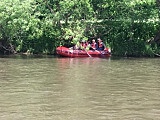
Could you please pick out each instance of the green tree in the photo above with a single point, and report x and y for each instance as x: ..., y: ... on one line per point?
x: 15, y: 21
x: 127, y: 25
x: 39, y: 26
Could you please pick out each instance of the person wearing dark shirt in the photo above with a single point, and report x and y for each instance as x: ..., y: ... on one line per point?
x: 101, y: 45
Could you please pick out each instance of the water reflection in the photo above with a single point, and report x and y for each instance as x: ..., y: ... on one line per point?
x: 79, y: 89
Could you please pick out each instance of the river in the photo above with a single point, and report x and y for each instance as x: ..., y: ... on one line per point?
x: 51, y: 88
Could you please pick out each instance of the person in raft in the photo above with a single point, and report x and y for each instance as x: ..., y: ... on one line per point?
x: 93, y: 45
x: 80, y: 45
x: 101, y: 45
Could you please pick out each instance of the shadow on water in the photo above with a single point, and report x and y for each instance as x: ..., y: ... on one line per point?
x: 25, y: 56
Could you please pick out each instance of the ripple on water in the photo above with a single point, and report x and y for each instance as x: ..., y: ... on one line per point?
x: 79, y: 89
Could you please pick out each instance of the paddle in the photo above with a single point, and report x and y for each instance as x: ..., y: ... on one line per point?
x: 99, y: 52
x: 87, y: 53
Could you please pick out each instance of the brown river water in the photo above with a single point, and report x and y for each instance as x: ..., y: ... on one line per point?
x: 51, y: 88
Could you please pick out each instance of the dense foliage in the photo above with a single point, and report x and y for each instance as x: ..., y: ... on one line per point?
x: 129, y: 27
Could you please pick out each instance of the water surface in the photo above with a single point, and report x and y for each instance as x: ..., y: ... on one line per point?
x: 48, y: 88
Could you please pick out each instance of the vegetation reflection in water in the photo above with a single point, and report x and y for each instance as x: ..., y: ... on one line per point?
x: 79, y: 89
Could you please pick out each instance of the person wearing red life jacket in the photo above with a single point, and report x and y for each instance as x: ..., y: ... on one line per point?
x: 101, y: 45
x: 93, y: 45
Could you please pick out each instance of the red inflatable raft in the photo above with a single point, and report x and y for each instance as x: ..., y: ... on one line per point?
x: 66, y: 52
